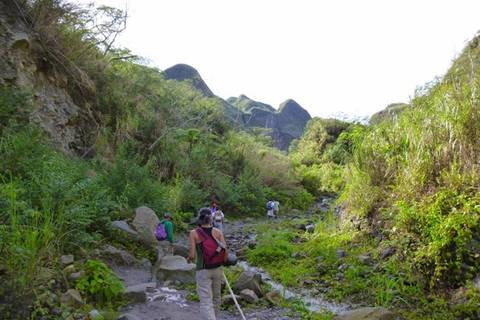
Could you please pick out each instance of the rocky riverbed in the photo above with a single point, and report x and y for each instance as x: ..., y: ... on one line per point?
x: 162, y: 298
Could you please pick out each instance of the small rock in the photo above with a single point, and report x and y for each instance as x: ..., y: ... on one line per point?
x: 301, y: 226
x: 228, y: 300
x: 308, y: 282
x: 249, y: 280
x: 76, y: 275
x: 138, y: 293
x: 342, y: 267
x: 297, y: 239
x: 366, y: 259
x: 72, y: 298
x: 249, y: 296
x: 56, y: 311
x: 48, y: 299
x: 45, y: 275
x: 69, y: 270
x: 476, y: 283
x: 321, y: 268
x: 341, y: 253
x: 274, y: 297
x: 387, y: 252
x: 66, y: 259
x: 310, y: 228
x: 296, y: 255
x: 252, y: 244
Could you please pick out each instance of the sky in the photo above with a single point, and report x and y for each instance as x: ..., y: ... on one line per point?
x: 333, y: 57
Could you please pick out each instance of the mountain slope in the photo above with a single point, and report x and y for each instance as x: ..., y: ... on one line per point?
x: 285, y: 125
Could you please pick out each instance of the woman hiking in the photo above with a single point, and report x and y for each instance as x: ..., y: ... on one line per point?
x: 207, y: 249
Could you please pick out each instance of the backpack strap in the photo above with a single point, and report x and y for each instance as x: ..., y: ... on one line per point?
x: 201, y: 233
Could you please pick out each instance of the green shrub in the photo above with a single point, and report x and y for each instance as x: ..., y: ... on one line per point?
x: 99, y: 284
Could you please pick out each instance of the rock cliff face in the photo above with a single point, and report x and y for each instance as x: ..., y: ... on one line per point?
x: 285, y: 125
x: 246, y: 104
x: 184, y: 72
x: 20, y: 66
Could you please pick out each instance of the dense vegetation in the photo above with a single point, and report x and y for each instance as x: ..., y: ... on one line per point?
x: 408, y: 185
x: 158, y: 143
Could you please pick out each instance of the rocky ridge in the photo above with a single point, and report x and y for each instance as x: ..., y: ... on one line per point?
x: 285, y: 124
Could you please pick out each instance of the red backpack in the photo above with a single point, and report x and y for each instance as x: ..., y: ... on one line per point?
x: 213, y: 252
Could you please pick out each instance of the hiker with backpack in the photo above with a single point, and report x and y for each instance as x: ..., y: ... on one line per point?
x: 164, y: 233
x: 270, y: 209
x: 208, y: 251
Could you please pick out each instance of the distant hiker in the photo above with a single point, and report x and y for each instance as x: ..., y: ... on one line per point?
x: 213, y: 207
x: 270, y: 207
x: 218, y: 219
x: 207, y: 249
x: 164, y: 234
x: 276, y: 208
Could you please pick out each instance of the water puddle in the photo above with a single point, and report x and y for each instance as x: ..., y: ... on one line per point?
x: 168, y: 295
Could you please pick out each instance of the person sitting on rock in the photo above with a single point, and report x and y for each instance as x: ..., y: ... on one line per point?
x: 164, y: 234
x: 208, y: 250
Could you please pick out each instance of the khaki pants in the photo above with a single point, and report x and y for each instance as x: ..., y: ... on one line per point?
x: 209, y: 288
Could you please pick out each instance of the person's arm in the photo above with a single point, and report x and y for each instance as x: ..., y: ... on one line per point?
x: 219, y: 236
x: 193, y: 246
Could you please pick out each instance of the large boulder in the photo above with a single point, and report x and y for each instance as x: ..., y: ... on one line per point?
x: 145, y: 223
x: 367, y: 313
x: 249, y: 280
x: 176, y: 269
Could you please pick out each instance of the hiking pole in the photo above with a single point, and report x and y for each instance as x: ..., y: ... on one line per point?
x: 233, y: 296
